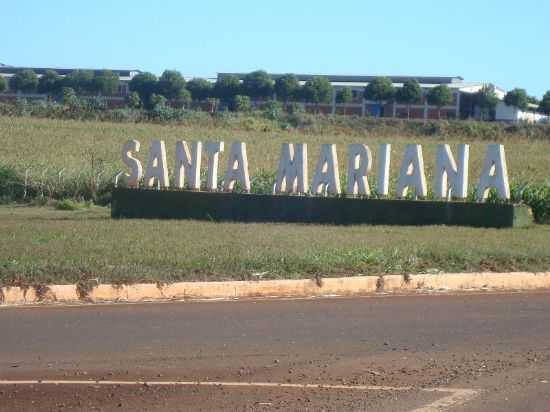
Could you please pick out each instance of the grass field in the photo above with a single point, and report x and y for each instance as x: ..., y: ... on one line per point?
x: 43, y: 245
x: 55, y: 151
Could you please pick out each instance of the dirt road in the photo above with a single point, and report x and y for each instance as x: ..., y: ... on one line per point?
x: 487, y: 352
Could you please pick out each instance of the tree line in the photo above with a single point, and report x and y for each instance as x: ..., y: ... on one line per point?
x: 286, y: 88
x: 83, y: 82
x: 171, y: 88
x: 229, y: 89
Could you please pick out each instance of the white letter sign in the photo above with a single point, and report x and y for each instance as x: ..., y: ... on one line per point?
x: 134, y: 164
x: 326, y: 175
x: 213, y: 151
x: 237, y: 168
x: 359, y: 165
x: 449, y: 175
x: 384, y: 158
x: 157, y: 170
x: 412, y: 172
x: 292, y: 172
x: 188, y: 166
x: 494, y: 173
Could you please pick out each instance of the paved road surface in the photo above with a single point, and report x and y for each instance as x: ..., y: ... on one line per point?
x: 488, y: 352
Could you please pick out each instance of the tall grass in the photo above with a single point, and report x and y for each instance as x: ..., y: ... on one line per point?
x: 97, y: 185
x: 58, y: 159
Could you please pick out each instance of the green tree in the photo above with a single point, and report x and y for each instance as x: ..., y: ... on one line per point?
x: 410, y: 93
x: 240, y: 103
x: 344, y: 96
x: 144, y: 84
x: 134, y: 101
x: 158, y: 100
x: 69, y: 97
x: 295, y: 108
x: 273, y: 110
x: 258, y: 84
x: 287, y: 87
x: 517, y: 97
x: 81, y: 81
x: 106, y: 83
x: 380, y: 90
x: 487, y: 100
x: 24, y: 81
x: 533, y: 100
x: 440, y: 96
x: 183, y: 99
x: 227, y: 87
x: 318, y: 90
x: 170, y: 84
x: 201, y: 89
x: 544, y: 106
x: 49, y: 83
x: 3, y: 84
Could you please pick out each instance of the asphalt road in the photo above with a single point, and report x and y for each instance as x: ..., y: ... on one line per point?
x: 487, y: 352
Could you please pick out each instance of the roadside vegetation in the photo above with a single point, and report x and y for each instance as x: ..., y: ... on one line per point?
x: 63, y: 159
x: 66, y: 168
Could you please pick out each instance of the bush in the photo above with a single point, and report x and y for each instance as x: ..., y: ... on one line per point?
x: 273, y: 110
x: 134, y: 101
x: 262, y: 183
x: 12, y: 185
x: 163, y: 113
x: 70, y: 204
x: 240, y: 103
x: 535, y: 196
x: 69, y: 98
x: 158, y: 100
x: 295, y: 108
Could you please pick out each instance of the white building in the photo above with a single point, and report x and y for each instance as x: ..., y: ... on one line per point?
x: 513, y: 114
x: 462, y: 106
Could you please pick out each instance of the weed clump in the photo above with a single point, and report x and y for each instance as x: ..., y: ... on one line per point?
x: 71, y: 204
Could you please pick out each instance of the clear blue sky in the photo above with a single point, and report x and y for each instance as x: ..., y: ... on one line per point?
x: 502, y: 41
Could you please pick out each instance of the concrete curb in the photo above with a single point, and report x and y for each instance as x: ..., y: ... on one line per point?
x: 346, y: 286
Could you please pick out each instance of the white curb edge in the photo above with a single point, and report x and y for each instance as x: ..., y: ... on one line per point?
x: 344, y: 286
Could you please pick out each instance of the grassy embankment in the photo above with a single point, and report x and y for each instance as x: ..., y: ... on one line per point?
x: 46, y: 245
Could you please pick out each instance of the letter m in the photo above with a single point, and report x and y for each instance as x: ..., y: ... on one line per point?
x: 292, y: 172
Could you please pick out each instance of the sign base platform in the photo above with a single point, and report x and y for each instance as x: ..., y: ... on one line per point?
x: 236, y: 207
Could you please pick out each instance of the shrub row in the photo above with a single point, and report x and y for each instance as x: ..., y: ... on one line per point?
x: 273, y: 117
